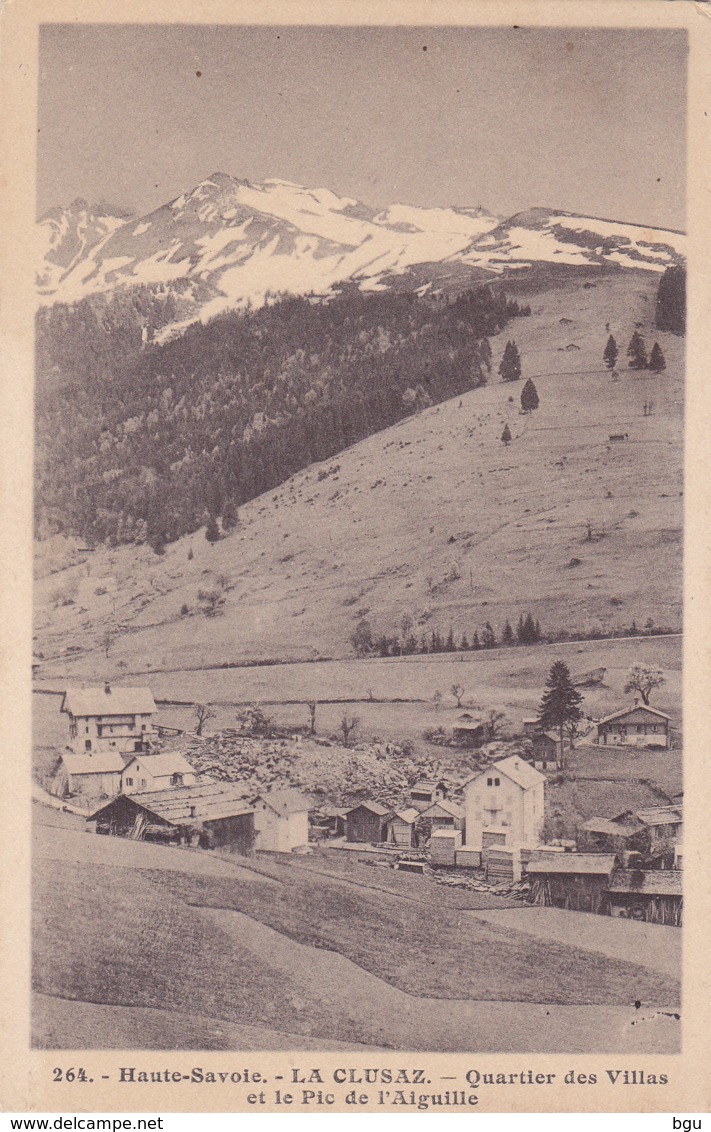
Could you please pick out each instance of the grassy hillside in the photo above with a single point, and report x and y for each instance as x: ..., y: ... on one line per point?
x: 434, y: 519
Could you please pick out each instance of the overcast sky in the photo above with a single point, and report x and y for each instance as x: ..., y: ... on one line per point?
x: 579, y: 119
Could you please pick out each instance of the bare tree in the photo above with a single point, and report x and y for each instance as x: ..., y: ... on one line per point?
x: 348, y: 726
x: 311, y: 705
x: 457, y: 691
x: 107, y: 640
x: 495, y: 720
x: 202, y: 713
x: 437, y: 698
x: 644, y: 679
x: 573, y: 730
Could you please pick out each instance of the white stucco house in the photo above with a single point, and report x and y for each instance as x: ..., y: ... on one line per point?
x: 281, y: 820
x: 504, y: 805
x: 109, y: 720
x: 156, y: 772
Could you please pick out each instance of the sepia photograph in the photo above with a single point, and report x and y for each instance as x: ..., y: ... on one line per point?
x: 357, y: 687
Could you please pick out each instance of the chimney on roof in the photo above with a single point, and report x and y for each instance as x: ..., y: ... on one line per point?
x: 636, y: 701
x: 107, y: 688
x: 192, y: 811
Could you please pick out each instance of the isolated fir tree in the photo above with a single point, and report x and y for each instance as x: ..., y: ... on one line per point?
x: 560, y: 705
x: 510, y: 365
x: 488, y: 637
x: 637, y: 352
x: 656, y: 359
x: 610, y: 353
x: 212, y: 531
x: 529, y: 397
x: 506, y: 436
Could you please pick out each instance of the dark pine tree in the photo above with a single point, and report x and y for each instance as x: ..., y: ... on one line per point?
x: 610, y: 353
x: 476, y: 644
x: 507, y: 637
x: 488, y: 637
x: 450, y: 645
x: 637, y: 352
x: 506, y: 436
x: 520, y: 631
x: 560, y: 704
x: 529, y: 397
x: 510, y: 365
x: 212, y: 531
x: 229, y: 515
x: 465, y: 643
x: 671, y: 301
x: 656, y: 359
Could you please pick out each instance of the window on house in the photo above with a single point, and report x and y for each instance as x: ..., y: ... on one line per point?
x: 489, y: 782
x: 497, y: 782
x: 143, y: 782
x: 86, y: 729
x: 176, y: 780
x: 128, y: 781
x: 143, y: 727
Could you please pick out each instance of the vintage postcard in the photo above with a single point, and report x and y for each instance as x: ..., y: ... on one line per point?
x: 356, y: 622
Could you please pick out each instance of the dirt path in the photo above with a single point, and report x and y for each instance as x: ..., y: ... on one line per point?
x: 652, y: 945
x: 392, y: 1016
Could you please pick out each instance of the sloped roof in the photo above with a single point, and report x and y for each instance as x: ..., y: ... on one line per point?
x: 107, y: 762
x: 598, y: 864
x: 548, y: 735
x: 167, y: 762
x: 374, y: 807
x: 610, y: 827
x: 629, y: 710
x: 515, y: 768
x: 117, y: 701
x: 449, y: 808
x: 408, y: 816
x: 425, y: 784
x: 661, y: 815
x: 652, y: 882
x: 284, y: 801
x: 210, y: 800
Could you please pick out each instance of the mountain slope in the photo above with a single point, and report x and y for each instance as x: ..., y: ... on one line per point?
x: 230, y: 242
x: 433, y: 518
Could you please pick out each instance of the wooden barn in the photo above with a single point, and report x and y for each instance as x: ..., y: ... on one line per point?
x: 367, y: 823
x: 651, y: 895
x: 401, y: 828
x: 469, y: 731
x: 604, y: 835
x: 440, y: 815
x: 576, y: 881
x: 425, y: 792
x: 212, y: 816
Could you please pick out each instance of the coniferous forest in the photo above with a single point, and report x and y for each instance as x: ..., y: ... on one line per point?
x: 139, y: 441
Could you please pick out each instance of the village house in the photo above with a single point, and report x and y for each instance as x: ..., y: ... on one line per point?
x: 156, y: 772
x: 546, y: 749
x: 531, y: 725
x: 401, y: 828
x: 281, y: 820
x: 605, y: 835
x: 214, y: 815
x: 425, y: 792
x: 93, y: 776
x: 638, y: 726
x: 509, y: 796
x: 106, y: 719
x: 576, y: 881
x: 654, y: 895
x: 366, y: 823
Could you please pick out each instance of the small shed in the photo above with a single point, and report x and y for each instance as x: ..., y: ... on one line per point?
x: 531, y: 725
x: 603, y: 835
x: 651, y: 895
x: 281, y: 820
x: 425, y: 792
x: 546, y: 748
x: 576, y: 881
x: 469, y: 731
x: 401, y: 828
x: 215, y: 815
x: 441, y: 815
x: 367, y: 822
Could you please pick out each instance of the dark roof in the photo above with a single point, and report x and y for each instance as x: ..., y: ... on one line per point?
x: 210, y: 800
x: 651, y: 882
x: 598, y: 864
x: 117, y: 701
x: 451, y: 809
